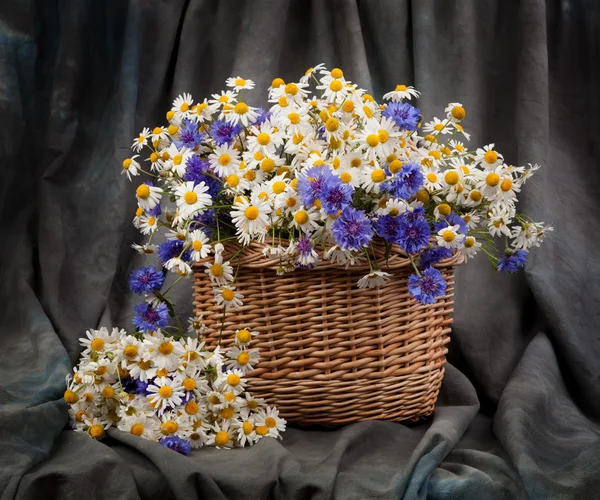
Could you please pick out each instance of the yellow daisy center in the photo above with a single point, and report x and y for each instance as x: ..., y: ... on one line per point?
x: 291, y: 202
x: 108, y: 392
x: 250, y: 175
x: 332, y: 124
x: 214, y: 400
x: 335, y: 86
x: 262, y: 430
x: 282, y: 101
x: 368, y: 111
x: 475, y: 195
x: 301, y: 217
x: 263, y: 138
x: 383, y: 136
x: 165, y: 348
x: 165, y: 391
x: 291, y: 89
x: 233, y: 379
x: 240, y: 82
x: 251, y: 213
x: 139, y: 211
x: 97, y: 344
x: 394, y: 212
x: 223, y: 98
x: 451, y: 178
x: 378, y: 175
x: 401, y: 88
x: 137, y: 429
x: 96, y: 431
x: 143, y: 191
x: 190, y: 197
x: 189, y: 384
x: 241, y: 108
x: 337, y: 73
x: 395, y: 166
x: 191, y: 408
x: 216, y: 270
x: 144, y: 365
x: 345, y: 177
x: 228, y: 295
x: 348, y: 106
x: 448, y: 236
x: 438, y: 126
x: 243, y: 358
x: 458, y: 112
x: 221, y: 438
x: 469, y: 241
x: 130, y: 351
x: 151, y: 221
x: 490, y: 156
x: 80, y: 416
x: 506, y: 185
x: 247, y: 427
x: 172, y: 129
x: 270, y: 422
x: 233, y: 180
x: 277, y: 82
x: 227, y: 412
x: 127, y: 163
x: 373, y: 140
x: 444, y: 209
x: 278, y: 187
x: 267, y: 165
x: 225, y: 159
x: 294, y: 118
x: 169, y: 427
x: 101, y: 370
x: 170, y: 115
x: 492, y: 179
x: 163, y: 372
x: 252, y: 404
x: 70, y: 397
x: 435, y: 154
x: 244, y: 336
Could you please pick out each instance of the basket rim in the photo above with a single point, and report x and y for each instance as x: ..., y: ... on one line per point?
x: 251, y: 257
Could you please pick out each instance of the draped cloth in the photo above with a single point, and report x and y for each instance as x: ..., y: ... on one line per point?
x: 518, y: 415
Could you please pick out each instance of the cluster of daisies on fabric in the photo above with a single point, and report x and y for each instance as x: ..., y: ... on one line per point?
x: 316, y: 177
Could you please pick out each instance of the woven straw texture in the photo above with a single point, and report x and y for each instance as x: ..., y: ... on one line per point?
x: 331, y: 353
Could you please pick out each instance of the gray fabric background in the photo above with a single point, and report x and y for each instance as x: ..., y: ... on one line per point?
x: 520, y: 407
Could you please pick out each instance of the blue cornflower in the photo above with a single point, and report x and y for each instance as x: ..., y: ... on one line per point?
x: 262, y: 116
x: 388, y: 228
x: 428, y: 286
x: 135, y: 386
x: 414, y: 232
x: 170, y: 249
x: 511, y: 262
x: 155, y: 211
x: 434, y: 255
x: 177, y: 444
x: 205, y: 221
x: 307, y: 257
x: 149, y: 317
x: 417, y: 213
x: 224, y: 132
x: 336, y: 196
x: 405, y: 116
x: 352, y: 230
x: 406, y: 182
x: 453, y: 219
x: 189, y: 135
x: 313, y: 183
x: 146, y: 280
x: 197, y: 171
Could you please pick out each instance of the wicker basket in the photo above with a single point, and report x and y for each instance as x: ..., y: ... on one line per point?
x: 332, y: 353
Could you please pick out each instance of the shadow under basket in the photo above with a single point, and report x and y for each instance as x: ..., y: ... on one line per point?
x: 331, y: 353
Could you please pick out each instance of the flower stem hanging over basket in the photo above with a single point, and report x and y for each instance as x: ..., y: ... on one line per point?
x: 331, y: 225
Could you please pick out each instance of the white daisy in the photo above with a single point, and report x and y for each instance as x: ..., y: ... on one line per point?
x: 197, y: 325
x: 226, y: 97
x: 242, y: 359
x: 164, y: 352
x: 253, y: 403
x: 372, y: 177
x: 226, y: 296
x: 374, y: 279
x: 97, y: 340
x: 165, y: 392
x: 224, y: 160
x: 246, y: 435
x: 96, y: 426
x: 455, y: 112
x: 244, y: 336
x: 222, y: 435
x: 182, y: 105
x: 148, y: 196
x: 141, y: 425
x: 449, y: 237
x: 471, y: 247
x: 270, y: 418
x: 437, y: 126
x: 144, y: 368
x: 231, y: 381
x: 200, y: 244
x: 401, y: 92
x: 311, y: 71
x: 238, y: 83
x: 488, y: 157
x: 178, y: 266
x: 148, y: 224
x: 141, y: 141
x: 241, y: 113
x: 306, y: 220
x: 130, y: 166
x: 145, y: 249
x: 192, y: 199
x: 251, y: 217
x: 219, y: 272
x: 498, y: 221
x: 264, y: 139
x: 194, y: 354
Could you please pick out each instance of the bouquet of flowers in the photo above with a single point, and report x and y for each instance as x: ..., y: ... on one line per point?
x: 168, y: 388
x: 324, y: 176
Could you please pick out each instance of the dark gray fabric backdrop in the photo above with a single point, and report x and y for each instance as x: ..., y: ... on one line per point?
x: 520, y: 407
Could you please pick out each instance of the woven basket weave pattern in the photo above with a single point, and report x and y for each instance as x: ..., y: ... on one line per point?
x: 332, y: 353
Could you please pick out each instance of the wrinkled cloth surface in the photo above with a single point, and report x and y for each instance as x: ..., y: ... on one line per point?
x: 518, y: 415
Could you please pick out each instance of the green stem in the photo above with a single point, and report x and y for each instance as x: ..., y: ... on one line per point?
x: 414, y: 265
